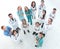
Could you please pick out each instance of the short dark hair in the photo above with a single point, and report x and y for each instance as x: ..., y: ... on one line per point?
x: 42, y: 0
x: 42, y: 33
x: 54, y: 8
x: 2, y: 27
x: 9, y: 14
x: 38, y: 23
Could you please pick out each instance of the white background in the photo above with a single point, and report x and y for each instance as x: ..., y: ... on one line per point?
x: 52, y: 39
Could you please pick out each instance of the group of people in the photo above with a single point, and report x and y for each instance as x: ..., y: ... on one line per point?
x: 39, y: 29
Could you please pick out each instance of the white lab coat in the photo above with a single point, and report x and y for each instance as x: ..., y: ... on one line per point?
x: 37, y: 29
x: 13, y: 23
x: 17, y: 38
x: 25, y: 27
x: 47, y: 27
x: 40, y: 9
x: 33, y: 12
x: 52, y: 16
x: 42, y: 20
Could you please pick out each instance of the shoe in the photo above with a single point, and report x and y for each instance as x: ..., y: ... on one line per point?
x: 28, y: 31
x: 34, y: 33
x: 36, y: 46
x: 17, y: 29
x: 24, y: 32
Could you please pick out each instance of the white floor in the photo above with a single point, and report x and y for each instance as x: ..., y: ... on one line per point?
x: 52, y: 39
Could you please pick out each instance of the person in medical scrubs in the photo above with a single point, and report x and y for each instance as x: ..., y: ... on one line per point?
x: 7, y: 30
x: 20, y: 13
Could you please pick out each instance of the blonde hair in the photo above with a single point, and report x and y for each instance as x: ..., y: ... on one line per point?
x: 19, y: 7
x: 23, y: 22
x: 26, y: 7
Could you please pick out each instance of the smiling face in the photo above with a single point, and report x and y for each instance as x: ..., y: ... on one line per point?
x: 14, y: 32
x: 54, y: 11
x: 23, y: 21
x: 42, y: 3
x: 10, y: 16
x: 43, y: 12
x: 37, y: 24
x: 40, y: 35
x: 19, y: 8
x: 49, y: 21
x: 33, y: 4
x: 26, y: 8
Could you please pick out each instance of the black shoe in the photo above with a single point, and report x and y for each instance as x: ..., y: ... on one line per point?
x: 28, y: 31
x: 42, y: 25
x: 17, y: 29
x: 36, y: 46
x: 24, y: 32
x: 34, y: 33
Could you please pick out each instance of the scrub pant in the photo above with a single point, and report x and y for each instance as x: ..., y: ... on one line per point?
x: 40, y: 44
x: 29, y: 19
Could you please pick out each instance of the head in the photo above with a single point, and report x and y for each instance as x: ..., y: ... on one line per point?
x: 3, y: 27
x: 43, y: 13
x: 10, y: 15
x: 37, y: 24
x: 24, y: 21
x: 54, y: 10
x: 42, y: 2
x: 26, y: 8
x: 50, y: 21
x: 33, y: 4
x: 19, y: 8
x: 41, y: 35
x: 14, y: 32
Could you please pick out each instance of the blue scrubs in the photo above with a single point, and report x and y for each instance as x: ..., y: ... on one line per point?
x: 7, y: 31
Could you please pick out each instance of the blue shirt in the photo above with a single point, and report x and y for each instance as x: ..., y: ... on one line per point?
x: 7, y: 31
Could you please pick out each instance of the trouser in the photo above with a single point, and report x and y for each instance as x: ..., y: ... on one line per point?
x: 26, y: 30
x: 17, y: 29
x: 29, y: 19
x: 34, y: 14
x: 42, y: 25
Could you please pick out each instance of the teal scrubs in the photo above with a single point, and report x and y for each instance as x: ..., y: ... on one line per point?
x: 29, y: 16
x: 40, y: 41
x: 20, y: 14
